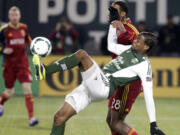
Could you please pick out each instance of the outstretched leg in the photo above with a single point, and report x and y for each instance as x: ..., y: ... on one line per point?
x: 75, y: 101
x: 80, y: 58
x: 60, y: 117
x: 29, y: 101
x: 119, y: 126
x: 9, y: 92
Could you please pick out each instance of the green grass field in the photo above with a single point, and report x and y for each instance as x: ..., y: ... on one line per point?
x: 91, y: 121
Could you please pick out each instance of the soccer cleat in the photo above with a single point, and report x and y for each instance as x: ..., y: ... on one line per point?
x: 40, y: 69
x: 1, y: 110
x: 33, y: 122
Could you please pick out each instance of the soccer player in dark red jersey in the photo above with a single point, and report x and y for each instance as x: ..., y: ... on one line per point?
x: 13, y: 37
x: 121, y: 101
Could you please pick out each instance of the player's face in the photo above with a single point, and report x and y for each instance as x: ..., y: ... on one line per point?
x: 14, y: 17
x: 121, y: 13
x: 139, y: 45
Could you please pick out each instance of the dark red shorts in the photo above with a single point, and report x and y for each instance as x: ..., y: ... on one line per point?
x: 10, y: 75
x: 123, y: 98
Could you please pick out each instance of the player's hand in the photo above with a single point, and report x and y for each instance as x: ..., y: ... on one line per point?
x: 113, y: 14
x: 155, y: 129
x: 119, y: 26
x: 58, y: 26
x: 8, y: 51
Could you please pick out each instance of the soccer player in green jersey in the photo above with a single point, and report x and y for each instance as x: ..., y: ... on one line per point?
x: 131, y: 64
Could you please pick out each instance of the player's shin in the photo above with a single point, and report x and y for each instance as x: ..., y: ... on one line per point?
x: 3, y: 99
x: 62, y: 64
x: 58, y: 130
x: 29, y: 104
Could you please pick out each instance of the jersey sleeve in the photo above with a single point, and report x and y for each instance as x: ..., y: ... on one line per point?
x: 28, y: 37
x: 1, y: 40
x: 113, y: 46
x: 144, y: 71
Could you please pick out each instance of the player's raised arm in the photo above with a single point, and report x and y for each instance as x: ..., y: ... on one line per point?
x: 113, y: 46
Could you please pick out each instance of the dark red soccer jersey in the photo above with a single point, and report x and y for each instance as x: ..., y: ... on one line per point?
x: 129, y: 36
x: 15, y: 38
x: 135, y: 87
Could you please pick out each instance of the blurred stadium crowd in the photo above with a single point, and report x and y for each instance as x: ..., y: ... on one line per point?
x: 66, y: 39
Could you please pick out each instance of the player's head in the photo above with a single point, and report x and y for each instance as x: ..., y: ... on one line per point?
x: 121, y: 7
x: 144, y: 43
x: 14, y: 15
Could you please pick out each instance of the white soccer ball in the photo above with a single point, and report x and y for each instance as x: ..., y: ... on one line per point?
x: 41, y: 46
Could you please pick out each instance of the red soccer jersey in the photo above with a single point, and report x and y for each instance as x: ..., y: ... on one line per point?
x: 15, y: 38
x: 135, y: 87
x: 129, y: 36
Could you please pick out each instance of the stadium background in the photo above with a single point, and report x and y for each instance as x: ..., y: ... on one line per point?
x: 90, y: 19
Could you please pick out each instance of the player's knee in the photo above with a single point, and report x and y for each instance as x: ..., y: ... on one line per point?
x: 27, y: 88
x: 116, y: 124
x: 108, y: 120
x: 9, y: 92
x: 81, y: 54
x: 59, y: 118
x: 27, y: 91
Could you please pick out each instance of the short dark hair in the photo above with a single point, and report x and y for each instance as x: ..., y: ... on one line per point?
x: 122, y: 5
x: 150, y: 40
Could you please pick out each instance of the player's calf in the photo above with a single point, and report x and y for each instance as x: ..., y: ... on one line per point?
x: 121, y: 128
x: 66, y: 63
x: 60, y: 117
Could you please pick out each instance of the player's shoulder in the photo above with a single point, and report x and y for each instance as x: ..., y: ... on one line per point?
x: 2, y: 28
x: 23, y: 25
x: 145, y: 60
x: 128, y: 24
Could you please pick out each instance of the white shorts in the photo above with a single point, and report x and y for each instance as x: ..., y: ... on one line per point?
x: 95, y: 86
x: 78, y: 98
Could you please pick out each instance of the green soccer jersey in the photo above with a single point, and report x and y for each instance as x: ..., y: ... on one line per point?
x: 121, y: 71
x: 128, y: 67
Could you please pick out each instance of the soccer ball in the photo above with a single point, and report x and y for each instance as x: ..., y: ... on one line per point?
x: 41, y: 46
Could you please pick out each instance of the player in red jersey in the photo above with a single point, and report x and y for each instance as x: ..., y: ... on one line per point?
x: 13, y: 37
x: 121, y: 102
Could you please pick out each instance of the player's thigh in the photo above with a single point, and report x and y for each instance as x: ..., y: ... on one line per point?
x: 123, y: 99
x: 98, y: 85
x: 108, y: 117
x: 78, y: 98
x: 9, y: 92
x: 111, y: 99
x: 9, y: 76
x: 24, y: 75
x: 115, y: 100
x: 89, y: 72
x: 116, y: 116
x: 132, y: 91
